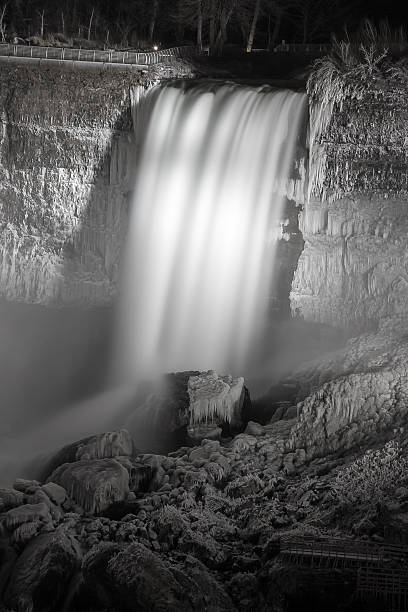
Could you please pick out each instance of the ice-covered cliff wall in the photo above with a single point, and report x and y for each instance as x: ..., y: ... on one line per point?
x: 354, y: 267
x: 62, y: 188
x: 67, y: 159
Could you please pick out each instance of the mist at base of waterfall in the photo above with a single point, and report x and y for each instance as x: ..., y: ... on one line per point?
x: 53, y: 379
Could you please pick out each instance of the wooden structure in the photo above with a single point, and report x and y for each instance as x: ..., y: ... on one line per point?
x: 380, y: 569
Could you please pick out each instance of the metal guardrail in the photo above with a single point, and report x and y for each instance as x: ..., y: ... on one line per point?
x: 89, y: 55
x: 302, y: 48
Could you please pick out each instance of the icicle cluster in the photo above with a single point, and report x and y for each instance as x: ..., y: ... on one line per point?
x: 214, y: 397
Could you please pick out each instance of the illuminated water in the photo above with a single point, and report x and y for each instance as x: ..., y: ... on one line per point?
x: 213, y: 171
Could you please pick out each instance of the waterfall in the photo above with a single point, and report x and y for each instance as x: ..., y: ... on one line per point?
x: 214, y: 164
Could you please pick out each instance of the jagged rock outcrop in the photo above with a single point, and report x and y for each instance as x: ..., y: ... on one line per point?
x: 353, y: 269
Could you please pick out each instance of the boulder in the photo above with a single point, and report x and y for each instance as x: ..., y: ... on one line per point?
x: 133, y: 577
x: 101, y: 446
x: 55, y: 492
x: 41, y: 575
x: 197, y: 433
x: 93, y: 484
x: 254, y: 429
x: 26, y: 514
x: 10, y: 498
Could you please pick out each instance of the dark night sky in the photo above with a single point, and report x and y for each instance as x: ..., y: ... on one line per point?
x: 121, y: 18
x: 395, y: 10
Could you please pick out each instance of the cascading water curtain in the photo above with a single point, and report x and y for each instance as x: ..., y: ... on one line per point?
x: 209, y: 192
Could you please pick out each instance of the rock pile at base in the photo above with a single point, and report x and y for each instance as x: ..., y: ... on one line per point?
x: 199, y: 528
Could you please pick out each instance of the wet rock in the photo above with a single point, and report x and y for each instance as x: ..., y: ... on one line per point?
x: 101, y: 446
x: 26, y: 514
x: 94, y: 571
x: 145, y: 472
x: 243, y: 443
x: 94, y: 485
x: 401, y: 493
x: 355, y: 392
x: 244, y: 486
x: 26, y: 486
x: 55, y: 492
x: 288, y: 463
x: 205, y: 593
x: 245, y: 591
x: 42, y: 572
x: 10, y: 498
x: 254, y: 429
x: 197, y: 433
x: 135, y: 577
x: 215, y: 399
x: 8, y: 558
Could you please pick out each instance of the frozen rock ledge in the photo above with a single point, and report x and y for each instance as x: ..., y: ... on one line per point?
x: 215, y: 398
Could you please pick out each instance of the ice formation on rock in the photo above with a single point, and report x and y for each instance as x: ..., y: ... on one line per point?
x: 93, y: 484
x: 353, y: 269
x: 355, y: 393
x: 215, y: 398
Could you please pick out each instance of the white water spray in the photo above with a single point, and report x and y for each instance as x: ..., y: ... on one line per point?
x: 214, y: 164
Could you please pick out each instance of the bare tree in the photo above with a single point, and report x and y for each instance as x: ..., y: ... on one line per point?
x: 152, y: 23
x: 90, y: 23
x: 191, y: 13
x: 199, y: 25
x: 314, y: 18
x: 211, y: 17
x: 41, y: 15
x: 253, y: 26
x: 277, y: 13
x: 225, y: 10
x: 2, y: 22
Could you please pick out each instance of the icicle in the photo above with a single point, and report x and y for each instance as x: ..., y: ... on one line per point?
x: 214, y: 397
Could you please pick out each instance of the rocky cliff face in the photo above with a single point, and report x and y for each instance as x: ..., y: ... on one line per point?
x: 67, y: 159
x: 62, y: 136
x: 353, y: 270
